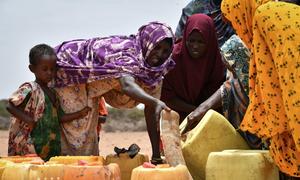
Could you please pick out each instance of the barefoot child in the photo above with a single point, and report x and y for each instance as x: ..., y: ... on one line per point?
x: 35, y: 109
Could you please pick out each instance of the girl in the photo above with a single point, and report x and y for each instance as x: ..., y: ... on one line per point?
x: 36, y: 114
x: 199, y: 70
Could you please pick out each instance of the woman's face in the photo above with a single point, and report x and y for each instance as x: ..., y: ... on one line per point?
x: 160, y: 53
x: 195, y: 44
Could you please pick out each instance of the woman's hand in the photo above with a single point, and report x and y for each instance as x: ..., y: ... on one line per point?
x: 159, y: 106
x: 194, y: 118
x: 213, y: 102
x: 197, y: 114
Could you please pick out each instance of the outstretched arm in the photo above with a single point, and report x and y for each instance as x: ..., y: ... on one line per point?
x: 152, y: 110
x: 152, y: 128
x: 179, y: 105
x: 213, y: 102
x: 76, y: 115
x: 20, y: 114
x: 130, y: 88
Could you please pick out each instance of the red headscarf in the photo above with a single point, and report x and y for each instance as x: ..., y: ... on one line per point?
x: 194, y: 80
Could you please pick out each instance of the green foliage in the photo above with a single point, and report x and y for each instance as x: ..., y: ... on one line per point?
x: 4, y: 115
x: 134, y: 114
x: 3, y: 111
x: 125, y: 120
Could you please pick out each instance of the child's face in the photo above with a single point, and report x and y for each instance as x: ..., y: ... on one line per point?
x: 159, y: 54
x: 45, y: 69
x: 195, y: 44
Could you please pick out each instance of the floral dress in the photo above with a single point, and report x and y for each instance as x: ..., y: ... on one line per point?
x: 80, y: 137
x: 44, y: 138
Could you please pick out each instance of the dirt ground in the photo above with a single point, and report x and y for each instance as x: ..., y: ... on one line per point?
x: 107, y: 142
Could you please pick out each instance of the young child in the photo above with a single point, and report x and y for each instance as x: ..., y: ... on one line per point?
x: 35, y: 109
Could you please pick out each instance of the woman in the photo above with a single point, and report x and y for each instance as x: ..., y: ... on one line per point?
x: 210, y: 8
x: 125, y: 70
x: 272, y: 32
x: 232, y: 96
x: 199, y: 70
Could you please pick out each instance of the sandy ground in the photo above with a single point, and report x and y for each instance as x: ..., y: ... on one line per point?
x: 107, y: 142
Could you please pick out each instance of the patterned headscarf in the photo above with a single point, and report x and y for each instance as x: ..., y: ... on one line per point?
x: 237, y: 56
x: 240, y: 14
x: 84, y: 61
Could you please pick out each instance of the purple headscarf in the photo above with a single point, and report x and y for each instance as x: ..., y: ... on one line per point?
x: 84, y: 61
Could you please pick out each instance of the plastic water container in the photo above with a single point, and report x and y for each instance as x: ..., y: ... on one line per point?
x: 212, y: 134
x: 127, y: 164
x: 180, y: 172
x: 241, y: 165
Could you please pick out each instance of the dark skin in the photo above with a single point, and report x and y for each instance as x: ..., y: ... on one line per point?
x: 213, y: 102
x: 44, y: 72
x: 196, y: 47
x: 153, y: 106
x: 159, y: 54
x: 178, y: 104
x: 196, y: 44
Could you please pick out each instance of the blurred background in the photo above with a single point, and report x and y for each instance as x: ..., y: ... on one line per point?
x: 24, y: 24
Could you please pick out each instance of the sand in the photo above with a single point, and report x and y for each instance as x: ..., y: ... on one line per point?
x: 107, y: 142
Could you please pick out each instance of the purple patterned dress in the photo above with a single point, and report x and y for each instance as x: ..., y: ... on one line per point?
x: 84, y: 61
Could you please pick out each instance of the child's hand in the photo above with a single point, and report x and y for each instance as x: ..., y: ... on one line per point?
x: 31, y: 125
x: 75, y: 115
x: 85, y: 111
